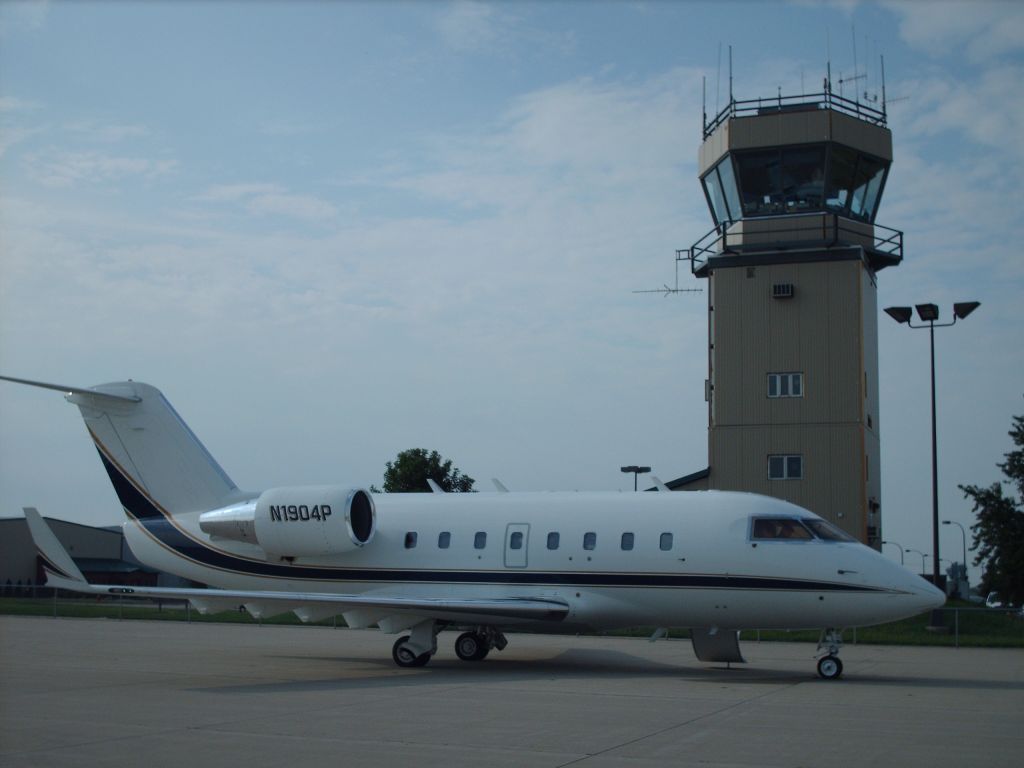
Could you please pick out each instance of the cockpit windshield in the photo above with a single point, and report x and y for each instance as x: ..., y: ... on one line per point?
x: 780, y: 528
x: 796, y: 529
x: 826, y: 531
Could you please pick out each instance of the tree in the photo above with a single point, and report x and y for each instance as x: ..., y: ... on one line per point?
x: 411, y: 469
x: 999, y: 530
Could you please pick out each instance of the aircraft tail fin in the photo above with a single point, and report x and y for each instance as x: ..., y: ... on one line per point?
x: 155, y: 462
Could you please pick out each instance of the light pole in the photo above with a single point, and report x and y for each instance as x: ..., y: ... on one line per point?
x: 924, y: 557
x: 929, y: 313
x: 636, y: 471
x: 898, y: 546
x: 963, y: 533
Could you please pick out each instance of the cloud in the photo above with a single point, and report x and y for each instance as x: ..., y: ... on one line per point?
x: 470, y: 26
x: 22, y: 15
x: 290, y: 205
x: 581, y: 144
x: 229, y: 193
x: 985, y: 30
x: 270, y: 199
x: 985, y: 109
x: 13, y: 135
x: 282, y: 127
x: 11, y: 104
x: 65, y: 169
x: 845, y: 6
x: 111, y: 133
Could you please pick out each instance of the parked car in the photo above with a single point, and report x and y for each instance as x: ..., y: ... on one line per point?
x: 993, y: 600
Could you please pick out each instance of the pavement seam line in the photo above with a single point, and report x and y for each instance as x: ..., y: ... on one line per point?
x: 677, y: 725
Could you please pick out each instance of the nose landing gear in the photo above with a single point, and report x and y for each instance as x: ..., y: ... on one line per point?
x: 829, y: 665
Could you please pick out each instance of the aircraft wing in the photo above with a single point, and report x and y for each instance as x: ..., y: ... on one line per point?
x: 390, y: 612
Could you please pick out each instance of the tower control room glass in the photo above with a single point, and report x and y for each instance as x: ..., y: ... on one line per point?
x: 794, y: 180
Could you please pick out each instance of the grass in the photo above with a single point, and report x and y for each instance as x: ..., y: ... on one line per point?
x: 978, y: 628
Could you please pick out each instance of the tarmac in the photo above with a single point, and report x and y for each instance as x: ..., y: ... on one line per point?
x: 83, y: 692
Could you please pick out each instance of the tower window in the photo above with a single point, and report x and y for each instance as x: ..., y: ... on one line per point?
x: 794, y: 180
x: 785, y: 467
x: 785, y: 385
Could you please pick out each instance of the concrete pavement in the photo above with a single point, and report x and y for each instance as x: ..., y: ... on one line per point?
x: 78, y: 692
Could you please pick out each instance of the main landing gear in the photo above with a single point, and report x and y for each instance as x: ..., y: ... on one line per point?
x: 406, y: 656
x: 829, y: 665
x: 416, y: 649
x: 476, y: 644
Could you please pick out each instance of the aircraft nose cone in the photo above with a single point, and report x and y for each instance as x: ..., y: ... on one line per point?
x: 929, y: 596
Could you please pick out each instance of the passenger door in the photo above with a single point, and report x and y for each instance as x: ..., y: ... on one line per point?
x: 517, y: 537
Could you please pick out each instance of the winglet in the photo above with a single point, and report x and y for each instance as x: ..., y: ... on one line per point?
x: 57, y: 563
x: 658, y: 484
x: 434, y: 487
x: 499, y: 485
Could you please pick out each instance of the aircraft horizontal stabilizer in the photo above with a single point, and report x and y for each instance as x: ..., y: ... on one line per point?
x: 68, y: 390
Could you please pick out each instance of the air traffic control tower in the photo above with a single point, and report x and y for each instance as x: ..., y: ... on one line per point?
x: 793, y: 185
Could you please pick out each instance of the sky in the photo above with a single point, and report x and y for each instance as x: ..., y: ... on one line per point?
x: 331, y: 231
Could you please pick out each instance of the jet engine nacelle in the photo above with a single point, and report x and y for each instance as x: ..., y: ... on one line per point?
x: 314, y: 520
x: 303, y: 521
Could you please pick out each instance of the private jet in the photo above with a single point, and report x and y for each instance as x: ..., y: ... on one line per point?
x: 483, y: 564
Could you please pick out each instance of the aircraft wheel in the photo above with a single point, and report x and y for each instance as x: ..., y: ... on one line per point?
x: 404, y: 656
x: 830, y: 667
x: 471, y: 647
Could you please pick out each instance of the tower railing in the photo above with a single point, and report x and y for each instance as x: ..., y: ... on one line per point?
x: 803, y: 103
x: 795, y: 232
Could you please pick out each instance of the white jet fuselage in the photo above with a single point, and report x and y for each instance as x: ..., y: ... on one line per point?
x: 693, y: 561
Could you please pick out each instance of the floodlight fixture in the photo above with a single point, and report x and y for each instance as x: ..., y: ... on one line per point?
x: 964, y: 308
x: 929, y: 313
x: 900, y: 314
x: 636, y: 471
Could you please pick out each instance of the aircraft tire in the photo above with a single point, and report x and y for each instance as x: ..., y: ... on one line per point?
x: 403, y: 655
x: 830, y: 667
x: 471, y: 647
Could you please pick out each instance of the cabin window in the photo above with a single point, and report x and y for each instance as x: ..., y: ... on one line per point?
x: 665, y: 542
x: 479, y: 540
x: 589, y: 540
x: 553, y: 538
x: 783, y: 467
x: 787, y: 528
x: 410, y: 539
x: 627, y: 541
x: 515, y: 541
x: 444, y: 539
